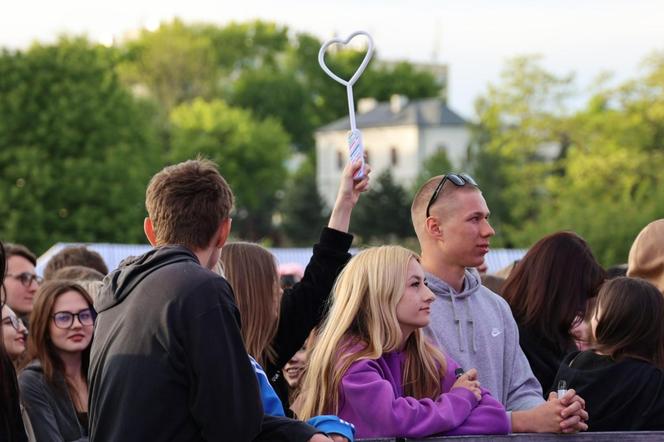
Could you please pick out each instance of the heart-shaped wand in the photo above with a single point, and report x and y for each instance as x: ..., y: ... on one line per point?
x: 355, y: 144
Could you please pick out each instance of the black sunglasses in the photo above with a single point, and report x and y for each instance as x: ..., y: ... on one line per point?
x: 458, y: 179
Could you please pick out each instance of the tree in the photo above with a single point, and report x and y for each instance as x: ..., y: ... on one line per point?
x: 251, y: 155
x: 303, y: 208
x: 517, y: 120
x: 383, y: 213
x: 270, y: 92
x: 174, y: 64
x: 610, y: 184
x: 76, y: 149
x: 435, y: 164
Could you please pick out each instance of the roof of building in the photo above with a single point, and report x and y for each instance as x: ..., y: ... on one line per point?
x: 423, y: 113
x: 113, y: 254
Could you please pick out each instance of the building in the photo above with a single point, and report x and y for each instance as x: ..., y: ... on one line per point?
x: 398, y: 135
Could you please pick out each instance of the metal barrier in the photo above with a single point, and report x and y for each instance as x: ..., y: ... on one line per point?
x: 621, y: 436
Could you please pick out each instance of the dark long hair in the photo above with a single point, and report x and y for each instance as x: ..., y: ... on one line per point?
x: 10, y: 423
x: 630, y: 320
x: 40, y: 346
x: 549, y: 288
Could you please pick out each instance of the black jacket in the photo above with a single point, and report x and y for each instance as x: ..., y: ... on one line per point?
x: 167, y: 360
x: 303, y: 305
x: 620, y: 396
x: 50, y: 408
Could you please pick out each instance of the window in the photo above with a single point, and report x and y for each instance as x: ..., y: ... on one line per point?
x: 394, y: 156
x: 340, y: 160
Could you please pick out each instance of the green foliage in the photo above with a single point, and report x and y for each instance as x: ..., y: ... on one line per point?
x: 76, y: 149
x: 605, y: 183
x: 383, y: 213
x: 250, y: 154
x: 516, y: 119
x: 303, y: 209
x: 174, y: 64
x: 272, y: 93
x: 436, y: 164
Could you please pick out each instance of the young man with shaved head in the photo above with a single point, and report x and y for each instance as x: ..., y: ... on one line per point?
x: 471, y: 323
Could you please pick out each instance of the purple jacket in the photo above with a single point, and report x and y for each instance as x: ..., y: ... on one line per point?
x: 372, y: 399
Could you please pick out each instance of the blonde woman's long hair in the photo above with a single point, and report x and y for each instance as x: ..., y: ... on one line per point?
x: 362, y: 324
x: 252, y: 272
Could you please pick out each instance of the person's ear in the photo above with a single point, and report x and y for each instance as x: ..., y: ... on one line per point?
x: 148, y: 228
x: 433, y: 227
x: 223, y: 232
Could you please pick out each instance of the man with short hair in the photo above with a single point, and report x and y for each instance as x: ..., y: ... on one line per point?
x: 21, y: 281
x: 471, y: 323
x: 75, y: 256
x: 168, y: 361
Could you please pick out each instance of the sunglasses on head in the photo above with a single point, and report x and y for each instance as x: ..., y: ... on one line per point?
x: 458, y: 179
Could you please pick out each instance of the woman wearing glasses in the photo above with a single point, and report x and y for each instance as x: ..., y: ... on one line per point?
x: 54, y: 386
x: 14, y: 334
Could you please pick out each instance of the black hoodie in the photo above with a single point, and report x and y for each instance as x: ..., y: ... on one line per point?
x: 625, y: 395
x: 167, y: 361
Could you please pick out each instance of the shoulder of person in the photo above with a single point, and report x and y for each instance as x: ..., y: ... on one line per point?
x: 32, y: 372
x: 488, y: 295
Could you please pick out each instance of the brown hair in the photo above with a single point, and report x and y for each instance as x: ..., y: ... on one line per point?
x: 186, y: 203
x: 252, y: 272
x: 549, y: 288
x: 630, y: 322
x: 77, y: 273
x: 41, y: 347
x: 74, y: 256
x: 20, y: 250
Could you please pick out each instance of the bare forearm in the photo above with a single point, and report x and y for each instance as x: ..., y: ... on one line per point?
x: 340, y: 217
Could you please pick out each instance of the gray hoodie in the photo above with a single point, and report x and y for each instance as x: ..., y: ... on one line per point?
x: 477, y: 329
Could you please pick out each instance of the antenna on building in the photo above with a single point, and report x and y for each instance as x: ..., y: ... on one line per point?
x: 435, y: 51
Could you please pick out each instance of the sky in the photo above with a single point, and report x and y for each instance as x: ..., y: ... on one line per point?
x: 473, y: 37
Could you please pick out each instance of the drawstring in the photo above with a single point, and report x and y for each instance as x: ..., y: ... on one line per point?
x: 470, y: 320
x: 472, y: 327
x: 462, y: 347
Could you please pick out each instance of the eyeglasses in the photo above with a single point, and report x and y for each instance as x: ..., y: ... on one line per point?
x: 14, y: 322
x: 26, y: 278
x: 66, y: 319
x: 458, y: 179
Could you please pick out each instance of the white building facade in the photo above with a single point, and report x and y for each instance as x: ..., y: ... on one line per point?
x: 398, y: 135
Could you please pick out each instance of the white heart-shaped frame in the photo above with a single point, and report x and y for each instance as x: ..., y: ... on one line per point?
x: 363, y: 65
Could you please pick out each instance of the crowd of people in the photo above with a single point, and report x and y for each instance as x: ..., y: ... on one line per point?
x: 198, y: 339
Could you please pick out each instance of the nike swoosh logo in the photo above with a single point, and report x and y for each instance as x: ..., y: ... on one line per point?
x: 495, y: 332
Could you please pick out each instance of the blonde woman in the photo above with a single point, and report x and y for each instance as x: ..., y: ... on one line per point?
x: 372, y: 366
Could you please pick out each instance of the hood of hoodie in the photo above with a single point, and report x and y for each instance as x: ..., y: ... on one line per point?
x: 471, y: 283
x: 119, y: 283
x: 646, y: 257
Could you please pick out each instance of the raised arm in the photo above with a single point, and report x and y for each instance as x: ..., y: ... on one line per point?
x: 347, y: 196
x: 302, y: 306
